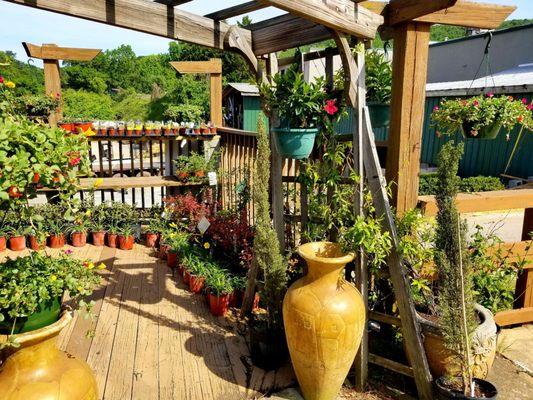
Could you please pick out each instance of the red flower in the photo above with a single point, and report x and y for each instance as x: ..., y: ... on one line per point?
x: 520, y: 118
x: 331, y: 107
x: 490, y: 94
x: 524, y: 100
x: 475, y: 103
x: 74, y: 161
x: 1, y: 79
x: 14, y: 192
x: 36, y: 177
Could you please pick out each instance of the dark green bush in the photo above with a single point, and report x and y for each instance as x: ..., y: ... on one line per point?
x: 428, y: 184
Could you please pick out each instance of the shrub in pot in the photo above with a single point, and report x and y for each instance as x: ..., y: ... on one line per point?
x: 176, y: 241
x: 78, y: 228
x: 56, y: 228
x: 219, y: 284
x: 153, y: 233
x: 483, y: 116
x: 126, y: 239
x: 37, y: 239
x: 17, y: 238
x: 198, y: 271
x: 378, y: 80
x: 31, y: 320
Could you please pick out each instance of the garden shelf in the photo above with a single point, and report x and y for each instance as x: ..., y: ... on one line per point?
x: 154, y: 137
x: 117, y: 183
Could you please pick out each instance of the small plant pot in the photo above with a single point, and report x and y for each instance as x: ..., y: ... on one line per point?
x: 125, y: 242
x: 182, y: 131
x: 218, y: 305
x: 196, y: 284
x: 112, y: 240
x: 295, y: 143
x: 111, y: 132
x: 196, y: 131
x: 35, y: 244
x: 172, y: 259
x: 120, y: 132
x: 78, y: 239
x: 213, y: 129
x: 98, y: 238
x: 148, y: 132
x: 102, y: 131
x: 137, y: 132
x: 168, y: 131
x: 3, y: 243
x: 157, y: 132
x: 204, y: 131
x: 56, y: 241
x: 152, y: 239
x: 485, y: 389
x: 186, y: 276
x: 163, y: 251
x: 200, y: 174
x: 129, y: 132
x: 17, y: 243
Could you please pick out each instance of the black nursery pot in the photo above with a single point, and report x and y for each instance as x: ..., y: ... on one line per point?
x: 443, y: 392
x: 268, y: 350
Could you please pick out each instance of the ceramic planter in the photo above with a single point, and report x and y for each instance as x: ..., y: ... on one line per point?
x: 47, y: 314
x: 487, y: 132
x: 218, y: 305
x: 17, y: 243
x: 442, y: 392
x: 379, y: 114
x: 152, y: 239
x: 324, y: 318
x: 56, y: 241
x: 3, y: 243
x: 98, y: 238
x: 78, y: 239
x: 200, y: 174
x: 35, y: 244
x: 38, y: 370
x: 112, y: 240
x: 125, y: 242
x: 295, y: 143
x: 196, y: 284
x: 172, y: 259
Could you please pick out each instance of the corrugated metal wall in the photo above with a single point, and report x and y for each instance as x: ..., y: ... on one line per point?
x: 482, y: 157
x: 252, y: 111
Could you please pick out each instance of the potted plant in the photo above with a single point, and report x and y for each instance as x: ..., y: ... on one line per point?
x: 483, y: 116
x: 204, y: 128
x: 102, y: 128
x: 177, y: 241
x: 111, y: 128
x: 112, y: 233
x: 378, y: 87
x: 120, y: 128
x: 32, y: 318
x: 17, y: 237
x: 212, y: 128
x: 37, y: 238
x: 138, y: 128
x: 148, y: 128
x: 239, y: 286
x: 198, y: 272
x: 182, y: 129
x: 97, y: 225
x: 126, y: 238
x: 296, y: 109
x: 130, y: 128
x: 157, y: 128
x: 220, y: 287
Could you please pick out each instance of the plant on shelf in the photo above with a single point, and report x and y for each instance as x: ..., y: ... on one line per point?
x: 378, y: 87
x: 130, y: 128
x: 97, y: 224
x: 296, y: 109
x: 194, y: 167
x: 482, y: 116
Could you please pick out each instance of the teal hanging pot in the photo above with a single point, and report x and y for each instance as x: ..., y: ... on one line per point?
x: 379, y: 114
x: 295, y: 143
x: 489, y: 131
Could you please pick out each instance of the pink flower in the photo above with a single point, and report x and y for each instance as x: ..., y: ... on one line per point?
x: 530, y: 107
x: 436, y: 108
x: 490, y: 94
x: 68, y: 251
x: 475, y: 103
x: 331, y: 107
x: 524, y: 100
x: 74, y: 161
x: 1, y: 79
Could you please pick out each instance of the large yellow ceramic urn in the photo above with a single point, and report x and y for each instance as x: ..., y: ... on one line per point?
x: 324, y: 319
x: 37, y: 370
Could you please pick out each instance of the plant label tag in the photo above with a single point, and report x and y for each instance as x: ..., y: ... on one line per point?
x: 212, y: 178
x: 183, y: 143
x: 203, y: 225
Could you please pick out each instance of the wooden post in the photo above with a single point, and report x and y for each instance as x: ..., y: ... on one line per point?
x: 409, y: 73
x: 524, y: 283
x: 215, y: 95
x: 52, y: 87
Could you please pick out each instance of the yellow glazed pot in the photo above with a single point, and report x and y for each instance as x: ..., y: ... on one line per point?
x: 37, y: 370
x: 324, y: 318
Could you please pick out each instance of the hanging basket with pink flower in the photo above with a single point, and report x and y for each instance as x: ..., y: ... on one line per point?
x: 483, y: 116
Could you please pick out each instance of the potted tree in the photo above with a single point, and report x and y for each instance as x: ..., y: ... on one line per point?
x: 483, y: 116
x: 296, y: 109
x: 378, y: 88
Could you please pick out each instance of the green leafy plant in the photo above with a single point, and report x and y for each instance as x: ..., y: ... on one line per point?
x: 378, y: 77
x: 218, y: 281
x: 428, y: 184
x: 177, y: 240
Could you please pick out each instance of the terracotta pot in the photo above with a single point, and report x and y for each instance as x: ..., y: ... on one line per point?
x: 168, y: 131
x: 84, y: 126
x: 172, y: 259
x: 157, y: 132
x: 111, y: 131
x: 78, y: 239
x: 152, y: 239
x: 196, y: 284
x: 182, y: 131
x: 102, y: 131
x: 98, y: 238
x: 112, y: 240
x: 137, y: 132
x: 200, y: 174
x: 120, y: 132
x: 163, y: 250
x: 129, y: 132
x: 213, y: 129
x: 3, y: 243
x: 442, y: 362
x: 324, y: 319
x: 68, y: 126
x: 218, y: 305
x: 17, y: 243
x: 35, y: 244
x: 125, y: 242
x: 56, y: 241
x: 38, y: 370
x: 182, y: 175
x: 186, y: 276
x: 196, y: 131
x: 204, y: 131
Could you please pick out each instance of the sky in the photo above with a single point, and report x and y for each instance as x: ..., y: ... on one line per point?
x: 19, y: 23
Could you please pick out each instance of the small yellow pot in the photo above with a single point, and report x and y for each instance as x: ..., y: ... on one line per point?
x: 38, y: 370
x: 324, y: 317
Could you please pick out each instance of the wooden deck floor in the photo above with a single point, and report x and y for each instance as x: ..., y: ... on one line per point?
x: 152, y: 339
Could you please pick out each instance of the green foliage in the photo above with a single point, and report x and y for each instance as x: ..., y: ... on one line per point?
x: 29, y: 78
x: 267, y: 254
x: 87, y: 105
x: 481, y: 111
x: 429, y: 182
x: 28, y: 281
x: 456, y: 296
x: 378, y: 77
x: 184, y: 113
x: 440, y: 33
x: 176, y: 239
x: 84, y: 77
x: 130, y: 105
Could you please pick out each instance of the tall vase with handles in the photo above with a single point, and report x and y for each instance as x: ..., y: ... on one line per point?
x: 324, y: 319
x: 38, y: 370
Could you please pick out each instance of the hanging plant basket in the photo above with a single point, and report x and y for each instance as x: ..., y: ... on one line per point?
x: 379, y: 115
x: 295, y: 143
x: 489, y: 131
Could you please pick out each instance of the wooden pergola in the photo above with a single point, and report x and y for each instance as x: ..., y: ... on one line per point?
x: 408, y: 22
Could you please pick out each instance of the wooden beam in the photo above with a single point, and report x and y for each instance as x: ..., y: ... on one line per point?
x: 400, y: 11
x: 409, y: 72
x: 514, y: 317
x: 235, y: 41
x: 341, y: 15
x: 237, y: 10
x: 351, y: 70
x: 143, y: 16
x: 213, y: 66
x: 173, y: 3
x: 473, y: 15
x: 286, y: 32
x: 53, y: 52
